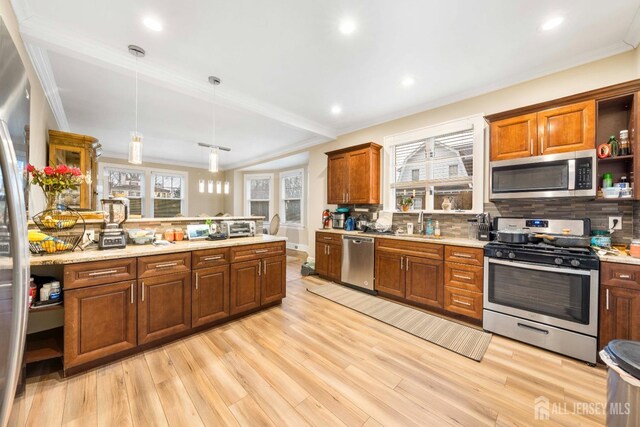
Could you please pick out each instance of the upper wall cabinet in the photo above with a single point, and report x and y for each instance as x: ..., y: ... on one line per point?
x: 550, y: 131
x: 353, y: 175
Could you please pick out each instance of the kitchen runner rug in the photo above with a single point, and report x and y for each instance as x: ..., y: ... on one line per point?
x: 461, y: 339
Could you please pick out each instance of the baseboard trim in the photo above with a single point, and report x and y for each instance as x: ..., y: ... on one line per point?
x: 298, y: 247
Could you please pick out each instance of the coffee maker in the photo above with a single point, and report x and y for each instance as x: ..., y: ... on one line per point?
x: 116, y: 212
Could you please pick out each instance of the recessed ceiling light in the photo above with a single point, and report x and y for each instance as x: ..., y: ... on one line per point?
x: 347, y: 27
x: 336, y: 109
x: 152, y: 23
x: 408, y: 81
x: 552, y: 23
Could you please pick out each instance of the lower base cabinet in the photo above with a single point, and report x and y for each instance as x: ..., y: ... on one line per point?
x: 99, y: 321
x: 245, y: 286
x: 210, y: 295
x: 164, y: 306
x: 424, y: 282
x: 390, y: 277
x: 273, y: 279
x: 619, y: 314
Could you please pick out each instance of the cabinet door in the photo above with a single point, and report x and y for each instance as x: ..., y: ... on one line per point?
x: 210, y: 295
x: 390, y: 275
x: 164, y: 306
x: 335, y: 262
x: 322, y: 259
x: 619, y: 314
x: 273, y: 279
x: 424, y: 281
x: 99, y: 321
x: 514, y: 138
x: 337, y: 179
x: 634, y: 140
x: 569, y: 128
x: 245, y: 286
x: 359, y: 184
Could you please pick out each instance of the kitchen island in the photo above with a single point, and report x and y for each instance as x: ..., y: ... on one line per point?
x: 122, y: 301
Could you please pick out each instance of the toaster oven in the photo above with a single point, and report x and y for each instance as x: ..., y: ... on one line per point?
x: 238, y: 228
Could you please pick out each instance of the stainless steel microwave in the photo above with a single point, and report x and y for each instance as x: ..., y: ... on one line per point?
x: 554, y: 175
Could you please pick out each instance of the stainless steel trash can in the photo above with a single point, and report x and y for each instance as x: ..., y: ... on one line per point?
x: 623, y: 383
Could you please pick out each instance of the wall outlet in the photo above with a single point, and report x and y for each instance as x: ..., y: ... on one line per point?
x: 89, y: 236
x: 615, y: 223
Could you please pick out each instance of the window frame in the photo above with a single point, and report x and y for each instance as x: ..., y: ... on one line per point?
x: 173, y: 174
x: 247, y: 192
x: 147, y: 186
x: 477, y: 122
x: 283, y: 218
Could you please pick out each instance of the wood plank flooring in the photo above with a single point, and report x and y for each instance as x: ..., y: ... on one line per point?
x: 313, y: 362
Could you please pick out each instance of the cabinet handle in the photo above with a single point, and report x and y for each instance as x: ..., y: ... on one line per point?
x: 347, y: 197
x: 260, y: 268
x: 169, y: 264
x: 462, y: 255
x: 328, y: 250
x: 211, y: 258
x: 531, y: 146
x: 143, y: 291
x: 102, y: 273
x: 401, y: 263
x: 542, y: 145
x: 462, y: 277
x: 625, y: 276
x: 607, y: 298
x: 197, y: 279
x: 261, y: 251
x: 264, y: 266
x: 328, y: 238
x: 461, y: 302
x: 131, y: 290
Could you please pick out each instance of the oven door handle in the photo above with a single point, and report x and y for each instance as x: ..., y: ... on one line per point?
x: 540, y: 267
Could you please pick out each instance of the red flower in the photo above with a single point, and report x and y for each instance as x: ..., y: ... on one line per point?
x: 75, y: 172
x: 30, y: 168
x: 49, y: 170
x: 62, y: 169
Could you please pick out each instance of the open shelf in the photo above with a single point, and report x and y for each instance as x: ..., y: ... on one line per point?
x: 616, y: 159
x: 46, y: 308
x: 44, y: 345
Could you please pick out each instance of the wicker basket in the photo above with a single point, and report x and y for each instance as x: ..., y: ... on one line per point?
x: 60, y: 242
x: 56, y: 220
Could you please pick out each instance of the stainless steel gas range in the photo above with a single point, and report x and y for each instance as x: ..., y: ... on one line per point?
x: 542, y: 294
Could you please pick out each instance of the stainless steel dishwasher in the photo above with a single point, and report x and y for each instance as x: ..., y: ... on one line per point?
x: 357, y: 262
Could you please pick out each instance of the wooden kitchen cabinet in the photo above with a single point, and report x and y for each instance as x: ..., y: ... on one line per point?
x: 273, y: 279
x: 464, y: 281
x: 164, y: 306
x: 329, y: 256
x: 245, y: 286
x: 514, y: 137
x: 619, y: 302
x: 99, y: 321
x: 424, y: 282
x: 568, y: 128
x: 353, y: 175
x: 389, y: 274
x: 210, y: 295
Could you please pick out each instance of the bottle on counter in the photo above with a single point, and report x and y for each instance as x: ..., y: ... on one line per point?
x: 625, y: 147
x: 168, y: 235
x: 614, y: 146
x: 436, y: 230
x: 607, y: 180
x: 54, y: 293
x: 634, y: 248
x: 429, y: 229
x: 178, y: 234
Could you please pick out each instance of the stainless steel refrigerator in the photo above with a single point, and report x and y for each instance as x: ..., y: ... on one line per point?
x: 14, y: 251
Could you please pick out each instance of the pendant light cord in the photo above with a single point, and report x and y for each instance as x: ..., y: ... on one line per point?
x: 136, y: 96
x: 214, y: 114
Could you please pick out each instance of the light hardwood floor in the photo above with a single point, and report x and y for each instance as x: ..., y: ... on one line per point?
x: 313, y: 362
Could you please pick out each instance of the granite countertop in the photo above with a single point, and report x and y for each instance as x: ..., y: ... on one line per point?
x: 457, y: 241
x: 620, y: 259
x: 176, y: 219
x: 132, y: 250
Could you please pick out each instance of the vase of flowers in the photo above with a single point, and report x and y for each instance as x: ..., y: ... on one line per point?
x: 54, y: 181
x: 406, y: 202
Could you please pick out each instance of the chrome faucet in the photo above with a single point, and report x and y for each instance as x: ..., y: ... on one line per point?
x: 421, y: 222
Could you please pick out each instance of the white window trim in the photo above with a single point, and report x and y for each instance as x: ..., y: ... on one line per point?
x: 247, y: 178
x: 282, y: 176
x: 148, y: 184
x: 476, y: 121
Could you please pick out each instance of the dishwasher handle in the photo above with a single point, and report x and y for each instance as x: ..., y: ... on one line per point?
x: 357, y: 239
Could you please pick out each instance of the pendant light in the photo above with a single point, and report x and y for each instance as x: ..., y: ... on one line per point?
x: 135, y: 143
x: 214, y: 149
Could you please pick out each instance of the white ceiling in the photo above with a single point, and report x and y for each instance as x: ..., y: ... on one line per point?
x: 288, y: 162
x: 285, y: 63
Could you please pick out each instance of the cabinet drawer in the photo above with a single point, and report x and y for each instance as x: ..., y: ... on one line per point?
x: 329, y: 238
x: 463, y: 276
x: 464, y: 255
x: 209, y: 258
x: 249, y: 252
x: 461, y: 301
x: 160, y: 265
x: 404, y: 247
x: 623, y: 275
x: 99, y: 273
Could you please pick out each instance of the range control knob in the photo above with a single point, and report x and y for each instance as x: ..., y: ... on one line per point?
x: 558, y: 261
x: 512, y: 255
x: 575, y: 262
x: 499, y: 254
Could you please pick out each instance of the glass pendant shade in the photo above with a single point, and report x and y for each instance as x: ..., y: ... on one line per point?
x: 214, y: 156
x: 226, y: 187
x: 219, y: 187
x: 210, y: 186
x: 135, y: 148
x: 201, y: 186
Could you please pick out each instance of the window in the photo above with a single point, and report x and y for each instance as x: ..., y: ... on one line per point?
x: 258, y: 194
x: 292, y: 197
x: 168, y: 190
x: 151, y: 192
x: 435, y: 166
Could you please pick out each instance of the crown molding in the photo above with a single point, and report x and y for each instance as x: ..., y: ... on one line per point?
x: 42, y: 65
x: 37, y: 31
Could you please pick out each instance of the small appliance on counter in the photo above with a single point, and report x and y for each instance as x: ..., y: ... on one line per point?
x: 116, y: 212
x: 238, y: 228
x: 338, y: 219
x: 350, y: 224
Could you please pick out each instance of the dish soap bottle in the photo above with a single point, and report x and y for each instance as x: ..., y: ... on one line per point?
x: 429, y: 229
x: 436, y: 231
x: 614, y: 146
